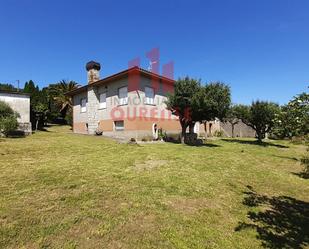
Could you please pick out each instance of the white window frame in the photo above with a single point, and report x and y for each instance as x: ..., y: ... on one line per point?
x: 119, y: 128
x: 123, y: 96
x: 102, y: 104
x: 83, y: 108
x: 149, y: 100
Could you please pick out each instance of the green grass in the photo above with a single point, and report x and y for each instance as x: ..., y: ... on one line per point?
x: 62, y: 190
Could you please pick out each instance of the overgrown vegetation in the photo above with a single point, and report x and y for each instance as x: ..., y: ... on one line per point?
x: 8, y: 119
x: 293, y: 120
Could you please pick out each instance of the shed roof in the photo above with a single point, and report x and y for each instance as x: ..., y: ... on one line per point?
x: 14, y: 92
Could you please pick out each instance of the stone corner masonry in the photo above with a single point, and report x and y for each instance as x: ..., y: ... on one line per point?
x: 93, y: 69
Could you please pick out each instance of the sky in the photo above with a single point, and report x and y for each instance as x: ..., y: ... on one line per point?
x: 260, y: 48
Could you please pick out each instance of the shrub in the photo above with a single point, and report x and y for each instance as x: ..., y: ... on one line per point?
x: 161, y: 134
x: 218, y: 134
x: 8, y: 119
x: 8, y: 124
x: 147, y: 138
x: 69, y: 118
x: 172, y: 137
x: 5, y: 110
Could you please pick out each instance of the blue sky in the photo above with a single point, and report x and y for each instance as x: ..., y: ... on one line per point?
x: 259, y: 47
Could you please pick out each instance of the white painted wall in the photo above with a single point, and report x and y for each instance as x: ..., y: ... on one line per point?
x: 19, y: 103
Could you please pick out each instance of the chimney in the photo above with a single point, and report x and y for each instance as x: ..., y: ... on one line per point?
x: 93, y: 71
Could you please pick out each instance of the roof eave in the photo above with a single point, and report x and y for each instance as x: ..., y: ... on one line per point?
x: 121, y: 75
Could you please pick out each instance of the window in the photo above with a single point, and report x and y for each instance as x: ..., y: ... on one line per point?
x: 123, y: 95
x: 149, y: 94
x: 83, y: 107
x: 102, y: 104
x: 119, y: 125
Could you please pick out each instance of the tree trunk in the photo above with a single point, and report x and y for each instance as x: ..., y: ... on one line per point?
x: 205, y: 128
x: 233, y: 126
x: 191, y: 128
x: 183, y: 132
x: 36, y: 124
x: 259, y: 137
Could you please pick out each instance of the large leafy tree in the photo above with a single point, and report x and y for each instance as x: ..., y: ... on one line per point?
x: 293, y: 120
x: 211, y: 101
x: 260, y: 116
x: 181, y: 101
x: 192, y: 102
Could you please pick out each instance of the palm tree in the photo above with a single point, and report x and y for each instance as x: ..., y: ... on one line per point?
x: 57, y: 93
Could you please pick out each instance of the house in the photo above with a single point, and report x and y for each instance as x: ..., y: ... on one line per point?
x: 129, y: 104
x: 20, y: 103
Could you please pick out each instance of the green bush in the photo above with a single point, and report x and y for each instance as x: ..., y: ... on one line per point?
x: 147, y: 138
x: 8, y: 119
x: 172, y: 137
x: 218, y: 134
x: 69, y: 118
x: 5, y: 110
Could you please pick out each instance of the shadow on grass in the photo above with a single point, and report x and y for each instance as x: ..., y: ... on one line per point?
x: 282, y: 223
x: 16, y: 134
x: 287, y: 157
x: 252, y: 142
x: 304, y: 175
x: 206, y: 145
x: 44, y: 129
x: 201, y: 144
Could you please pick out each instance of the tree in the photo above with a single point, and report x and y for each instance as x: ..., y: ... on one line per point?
x: 7, y: 87
x: 293, y: 120
x: 8, y: 119
x: 38, y: 104
x: 63, y: 102
x: 181, y: 101
x: 259, y: 116
x: 211, y: 101
x: 192, y: 102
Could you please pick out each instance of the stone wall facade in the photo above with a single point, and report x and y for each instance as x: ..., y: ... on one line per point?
x: 138, y: 117
x: 92, y: 109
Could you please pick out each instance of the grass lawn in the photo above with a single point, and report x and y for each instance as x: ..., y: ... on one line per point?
x: 62, y: 190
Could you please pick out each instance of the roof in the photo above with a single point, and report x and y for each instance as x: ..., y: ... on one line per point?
x: 14, y: 92
x: 120, y: 75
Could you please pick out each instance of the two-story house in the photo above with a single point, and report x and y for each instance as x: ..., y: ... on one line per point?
x: 129, y: 104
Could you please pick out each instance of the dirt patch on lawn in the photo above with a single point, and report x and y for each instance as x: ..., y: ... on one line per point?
x: 137, y: 228
x: 188, y: 205
x: 149, y: 164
